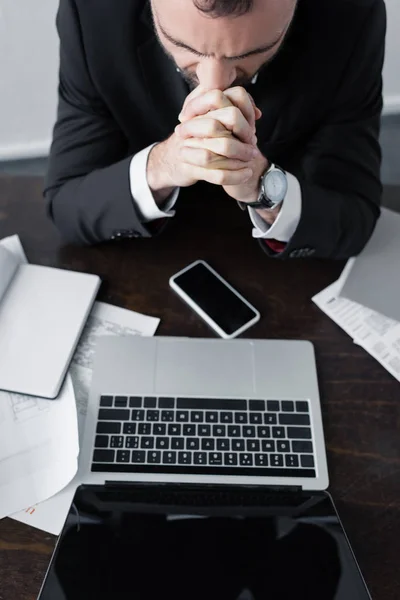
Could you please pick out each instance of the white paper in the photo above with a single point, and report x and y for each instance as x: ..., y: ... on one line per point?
x: 38, y: 447
x: 38, y: 438
x: 103, y: 320
x: 377, y: 334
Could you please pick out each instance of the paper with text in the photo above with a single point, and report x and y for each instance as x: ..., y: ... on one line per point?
x: 38, y: 438
x: 377, y: 334
x: 103, y: 320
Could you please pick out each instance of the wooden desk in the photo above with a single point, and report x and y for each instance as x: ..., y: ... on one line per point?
x: 360, y: 400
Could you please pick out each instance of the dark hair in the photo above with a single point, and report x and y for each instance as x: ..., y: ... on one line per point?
x: 224, y: 8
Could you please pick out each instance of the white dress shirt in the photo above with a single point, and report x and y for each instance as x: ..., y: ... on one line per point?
x: 282, y: 229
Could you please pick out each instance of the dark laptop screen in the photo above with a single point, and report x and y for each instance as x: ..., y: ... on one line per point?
x: 150, y: 544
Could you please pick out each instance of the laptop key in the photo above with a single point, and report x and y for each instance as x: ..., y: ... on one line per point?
x: 169, y: 458
x: 162, y: 443
x: 299, y: 433
x: 292, y: 460
x: 174, y: 429
x: 253, y: 445
x: 147, y: 442
x: 307, y: 461
x: 276, y: 460
x: 106, y: 400
x: 211, y: 417
x: 101, y: 441
x: 283, y: 446
x: 153, y: 456
x: 197, y: 416
x: 159, y: 429
x: 270, y: 419
x: 234, y: 431
x: 264, y: 432
x: 261, y: 460
x: 268, y: 445
x: 223, y: 444
x: 153, y: 415
x: 241, y: 417
x: 150, y: 402
x: 257, y: 405
x: 256, y: 418
x: 105, y: 427
x: 189, y: 430
x: 167, y: 415
x: 302, y: 447
x: 114, y: 414
x: 215, y: 458
x: 230, y: 459
x: 278, y: 432
x: 166, y: 403
x: 238, y: 445
x: 287, y: 406
x: 185, y: 458
x: 129, y: 428
x: 204, y: 430
x: 121, y: 402
x: 207, y: 444
x: 105, y: 456
x: 302, y: 406
x: 138, y: 456
x: 132, y: 441
x: 294, y: 419
x: 123, y: 456
x: 249, y: 431
x: 182, y: 416
x: 135, y: 402
x: 117, y: 441
x: 226, y: 417
x: 177, y: 443
x: 246, y: 460
x: 219, y: 430
x: 200, y: 458
x: 192, y: 444
x: 144, y: 429
x: 273, y: 406
x: 138, y: 415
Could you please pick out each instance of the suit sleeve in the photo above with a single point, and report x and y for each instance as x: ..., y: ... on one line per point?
x: 339, y: 169
x: 87, y: 185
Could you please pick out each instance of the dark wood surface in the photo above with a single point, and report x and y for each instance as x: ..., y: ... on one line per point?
x: 360, y: 400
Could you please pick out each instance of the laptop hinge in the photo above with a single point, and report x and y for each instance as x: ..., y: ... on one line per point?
x: 204, y: 486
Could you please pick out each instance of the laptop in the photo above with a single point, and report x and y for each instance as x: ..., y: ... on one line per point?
x: 205, y: 468
x: 204, y: 411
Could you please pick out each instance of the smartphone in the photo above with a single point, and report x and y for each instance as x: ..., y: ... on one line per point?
x: 214, y: 300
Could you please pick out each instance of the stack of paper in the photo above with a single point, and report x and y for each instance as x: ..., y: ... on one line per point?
x: 38, y: 439
x: 39, y: 443
x: 365, y: 301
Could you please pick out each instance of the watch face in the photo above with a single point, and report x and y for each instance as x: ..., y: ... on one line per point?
x: 275, y: 186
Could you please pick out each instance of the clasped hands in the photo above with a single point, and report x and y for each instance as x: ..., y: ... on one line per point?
x: 218, y: 143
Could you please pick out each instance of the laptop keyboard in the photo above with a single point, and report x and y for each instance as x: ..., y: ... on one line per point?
x: 204, y: 436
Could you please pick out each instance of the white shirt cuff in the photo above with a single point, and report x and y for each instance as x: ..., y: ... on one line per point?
x: 288, y: 218
x: 142, y: 194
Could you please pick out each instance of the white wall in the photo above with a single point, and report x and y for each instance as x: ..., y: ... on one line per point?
x: 28, y: 74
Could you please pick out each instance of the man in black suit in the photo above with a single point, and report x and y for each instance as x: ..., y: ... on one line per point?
x: 278, y: 101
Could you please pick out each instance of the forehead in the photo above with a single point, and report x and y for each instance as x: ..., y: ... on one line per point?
x: 262, y: 24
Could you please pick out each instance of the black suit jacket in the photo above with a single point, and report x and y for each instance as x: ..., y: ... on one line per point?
x: 321, y: 100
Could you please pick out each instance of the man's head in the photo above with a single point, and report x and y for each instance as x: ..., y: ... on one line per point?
x: 222, y: 43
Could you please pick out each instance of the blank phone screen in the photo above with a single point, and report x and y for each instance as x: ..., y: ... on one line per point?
x: 224, y: 307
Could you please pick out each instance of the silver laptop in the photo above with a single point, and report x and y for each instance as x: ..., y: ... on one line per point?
x: 175, y: 410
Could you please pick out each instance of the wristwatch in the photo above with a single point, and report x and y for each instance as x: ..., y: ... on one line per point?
x: 273, y: 189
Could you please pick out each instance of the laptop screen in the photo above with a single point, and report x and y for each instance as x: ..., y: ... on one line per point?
x: 155, y: 543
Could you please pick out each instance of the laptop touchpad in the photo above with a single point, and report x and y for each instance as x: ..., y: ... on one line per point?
x: 207, y: 368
